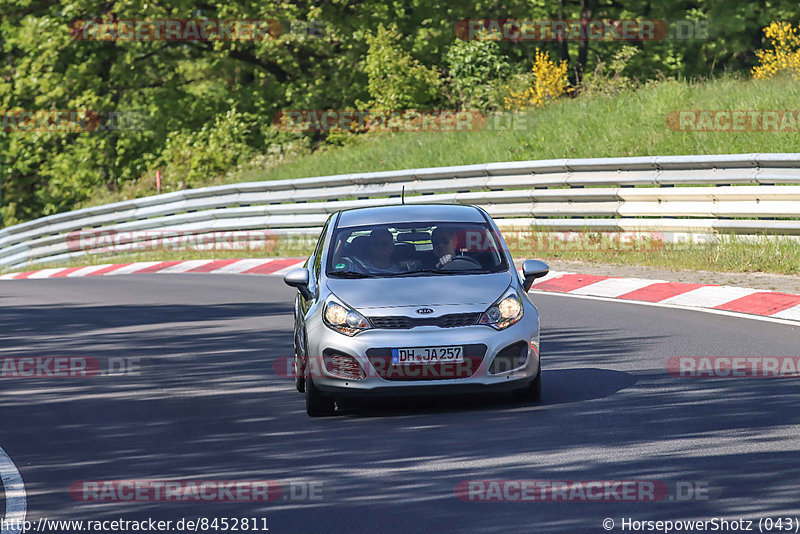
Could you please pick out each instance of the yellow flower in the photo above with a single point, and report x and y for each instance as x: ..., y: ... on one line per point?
x: 785, y: 54
x: 549, y: 82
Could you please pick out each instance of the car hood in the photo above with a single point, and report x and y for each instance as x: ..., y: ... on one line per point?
x: 421, y: 290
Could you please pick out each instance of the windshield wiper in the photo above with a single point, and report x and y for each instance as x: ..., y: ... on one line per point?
x: 349, y: 274
x: 430, y: 271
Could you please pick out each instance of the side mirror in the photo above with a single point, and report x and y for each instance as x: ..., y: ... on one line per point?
x: 298, y: 278
x: 531, y: 270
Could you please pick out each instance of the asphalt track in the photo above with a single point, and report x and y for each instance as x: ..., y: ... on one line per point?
x: 207, y: 404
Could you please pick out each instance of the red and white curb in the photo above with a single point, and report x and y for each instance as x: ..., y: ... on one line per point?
x: 782, y: 306
x: 679, y: 294
x: 269, y: 266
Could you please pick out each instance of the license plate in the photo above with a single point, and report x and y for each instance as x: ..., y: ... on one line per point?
x: 427, y: 355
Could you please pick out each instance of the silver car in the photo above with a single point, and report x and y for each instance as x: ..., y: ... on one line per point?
x: 410, y: 300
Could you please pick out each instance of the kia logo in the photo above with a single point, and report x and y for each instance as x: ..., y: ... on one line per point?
x: 425, y: 311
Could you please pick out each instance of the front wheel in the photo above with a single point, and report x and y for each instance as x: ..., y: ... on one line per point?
x: 299, y: 380
x: 317, y: 403
x: 532, y: 392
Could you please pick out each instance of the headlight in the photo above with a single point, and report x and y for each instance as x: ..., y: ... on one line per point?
x: 509, y: 307
x: 503, y: 313
x: 343, y: 319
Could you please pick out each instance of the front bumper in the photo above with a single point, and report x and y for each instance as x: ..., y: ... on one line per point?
x: 473, y: 376
x: 419, y: 389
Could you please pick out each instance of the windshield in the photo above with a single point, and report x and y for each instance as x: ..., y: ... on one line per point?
x: 415, y: 249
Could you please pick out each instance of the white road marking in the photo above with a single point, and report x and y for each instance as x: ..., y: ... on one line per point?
x: 85, y: 271
x: 14, y: 490
x: 47, y: 273
x: 710, y: 296
x: 184, y: 266
x: 740, y: 315
x: 549, y: 276
x: 614, y: 287
x: 285, y: 270
x: 240, y: 266
x: 132, y: 268
x: 791, y: 313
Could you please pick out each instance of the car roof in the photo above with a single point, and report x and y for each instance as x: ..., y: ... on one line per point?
x: 409, y: 213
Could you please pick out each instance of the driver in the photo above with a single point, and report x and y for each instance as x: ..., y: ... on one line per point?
x: 444, y: 248
x: 380, y: 248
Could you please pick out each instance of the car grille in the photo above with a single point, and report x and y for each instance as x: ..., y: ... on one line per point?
x: 451, y: 320
x: 381, y: 360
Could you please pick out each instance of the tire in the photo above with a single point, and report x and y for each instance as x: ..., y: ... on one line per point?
x: 532, y: 392
x: 299, y: 380
x: 298, y: 365
x: 317, y: 403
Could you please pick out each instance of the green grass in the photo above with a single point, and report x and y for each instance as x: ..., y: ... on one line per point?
x: 633, y: 123
x: 630, y: 124
x: 729, y: 254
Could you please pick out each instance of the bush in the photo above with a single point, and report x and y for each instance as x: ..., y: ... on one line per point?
x: 189, y: 156
x: 785, y: 55
x: 549, y: 81
x: 474, y: 67
x: 396, y: 80
x: 610, y: 81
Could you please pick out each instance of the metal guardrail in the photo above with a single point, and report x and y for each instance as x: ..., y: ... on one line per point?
x: 675, y: 195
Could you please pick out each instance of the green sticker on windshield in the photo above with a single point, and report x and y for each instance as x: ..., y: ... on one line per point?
x: 339, y: 266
